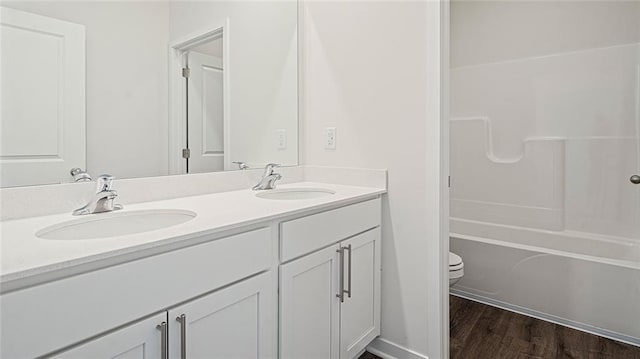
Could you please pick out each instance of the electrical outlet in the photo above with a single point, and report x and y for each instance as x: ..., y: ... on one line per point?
x: 330, y: 138
x: 281, y: 139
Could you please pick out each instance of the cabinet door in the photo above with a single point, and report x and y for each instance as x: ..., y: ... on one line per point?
x: 309, y: 308
x: 141, y: 340
x: 234, y: 322
x: 360, y: 311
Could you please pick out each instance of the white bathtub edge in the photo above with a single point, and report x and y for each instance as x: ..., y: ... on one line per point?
x: 547, y: 317
x: 527, y: 247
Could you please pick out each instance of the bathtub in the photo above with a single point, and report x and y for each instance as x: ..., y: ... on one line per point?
x: 580, y: 280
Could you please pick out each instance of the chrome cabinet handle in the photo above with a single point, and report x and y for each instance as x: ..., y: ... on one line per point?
x: 341, y: 293
x: 182, y: 319
x: 162, y: 327
x: 635, y: 179
x: 348, y: 291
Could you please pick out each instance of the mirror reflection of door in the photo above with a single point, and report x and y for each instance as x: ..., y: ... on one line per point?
x: 205, y: 110
x: 42, y: 126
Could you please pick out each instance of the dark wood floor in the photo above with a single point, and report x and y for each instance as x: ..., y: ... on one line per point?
x: 368, y: 355
x: 479, y: 331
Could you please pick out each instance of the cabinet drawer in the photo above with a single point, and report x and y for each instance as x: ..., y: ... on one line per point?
x: 304, y: 235
x: 92, y: 303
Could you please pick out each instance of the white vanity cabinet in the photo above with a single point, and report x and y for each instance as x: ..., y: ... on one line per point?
x: 360, y: 311
x: 330, y: 299
x: 50, y: 317
x: 216, y: 296
x: 140, y: 340
x: 309, y: 308
x: 235, y: 322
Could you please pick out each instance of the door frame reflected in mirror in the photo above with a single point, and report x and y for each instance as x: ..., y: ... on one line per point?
x: 178, y: 95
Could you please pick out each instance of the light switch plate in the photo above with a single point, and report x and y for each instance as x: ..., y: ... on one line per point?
x: 330, y: 138
x: 281, y: 139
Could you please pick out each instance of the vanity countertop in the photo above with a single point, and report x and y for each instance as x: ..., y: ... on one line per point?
x: 26, y: 259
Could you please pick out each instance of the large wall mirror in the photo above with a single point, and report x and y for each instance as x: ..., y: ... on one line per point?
x: 147, y: 88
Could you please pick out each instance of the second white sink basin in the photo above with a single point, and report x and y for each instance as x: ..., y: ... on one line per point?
x: 104, y: 225
x: 295, y: 193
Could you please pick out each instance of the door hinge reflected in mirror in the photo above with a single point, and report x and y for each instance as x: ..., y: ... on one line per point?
x: 186, y: 72
x: 186, y: 153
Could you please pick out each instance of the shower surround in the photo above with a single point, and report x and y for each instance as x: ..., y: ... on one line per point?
x: 543, y: 142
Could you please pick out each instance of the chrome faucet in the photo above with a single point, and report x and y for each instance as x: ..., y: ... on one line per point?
x: 241, y: 165
x: 79, y: 175
x: 102, y: 201
x: 269, y: 178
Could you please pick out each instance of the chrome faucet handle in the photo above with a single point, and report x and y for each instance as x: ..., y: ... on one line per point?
x: 241, y: 165
x: 104, y: 183
x: 79, y: 175
x: 268, y: 169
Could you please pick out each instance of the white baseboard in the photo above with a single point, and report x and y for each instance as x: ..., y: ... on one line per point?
x: 389, y: 350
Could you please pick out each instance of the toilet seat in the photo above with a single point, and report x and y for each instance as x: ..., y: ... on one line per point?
x: 456, y: 274
x: 456, y: 268
x: 455, y: 262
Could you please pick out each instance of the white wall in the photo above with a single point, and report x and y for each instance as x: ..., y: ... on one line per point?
x: 557, y: 86
x: 262, y: 68
x: 494, y: 31
x: 368, y: 71
x: 126, y: 74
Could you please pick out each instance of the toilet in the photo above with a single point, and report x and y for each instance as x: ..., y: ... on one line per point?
x: 456, y: 268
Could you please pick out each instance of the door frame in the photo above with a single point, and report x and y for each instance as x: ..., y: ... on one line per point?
x: 178, y: 91
x: 445, y: 180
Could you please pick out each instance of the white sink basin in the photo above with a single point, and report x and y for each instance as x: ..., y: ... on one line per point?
x: 295, y: 193
x: 104, y: 225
